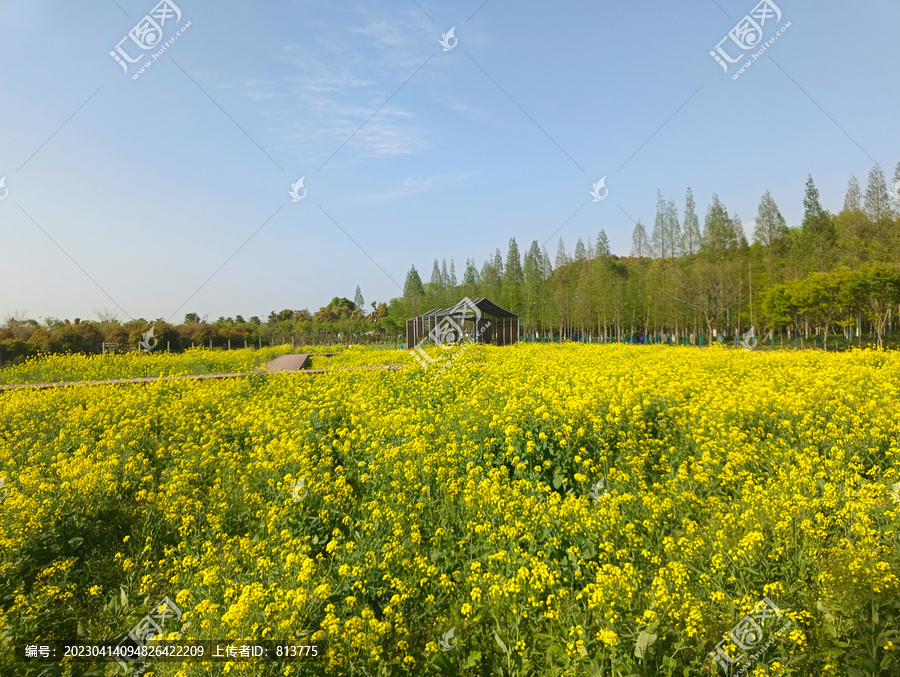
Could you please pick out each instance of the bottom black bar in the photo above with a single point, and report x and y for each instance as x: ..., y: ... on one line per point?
x: 130, y: 651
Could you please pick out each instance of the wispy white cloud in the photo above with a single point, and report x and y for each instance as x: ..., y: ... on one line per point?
x: 380, y: 140
x: 461, y: 107
x: 336, y: 90
x: 411, y: 186
x: 386, y: 35
x: 332, y: 84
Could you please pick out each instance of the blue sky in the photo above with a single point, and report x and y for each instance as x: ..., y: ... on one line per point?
x: 129, y: 194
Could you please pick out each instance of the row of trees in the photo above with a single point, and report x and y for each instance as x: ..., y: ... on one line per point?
x: 838, y: 301
x: 683, y: 280
x: 832, y: 274
x: 341, y: 320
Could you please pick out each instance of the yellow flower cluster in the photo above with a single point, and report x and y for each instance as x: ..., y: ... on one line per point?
x: 373, y: 511
x: 136, y: 364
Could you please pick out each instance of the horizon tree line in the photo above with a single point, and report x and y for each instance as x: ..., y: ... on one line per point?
x: 683, y: 283
x: 339, y: 321
x: 834, y: 274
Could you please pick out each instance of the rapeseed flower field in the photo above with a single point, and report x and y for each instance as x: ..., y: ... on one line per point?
x: 529, y: 510
x: 60, y: 368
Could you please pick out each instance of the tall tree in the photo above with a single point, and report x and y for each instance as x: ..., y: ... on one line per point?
x: 852, y: 228
x: 853, y: 198
x: 513, y: 277
x: 435, y: 294
x: 580, y: 251
x: 561, y: 258
x: 583, y: 290
x: 770, y: 228
x: 602, y: 245
x: 358, y: 300
x: 659, y: 238
x: 673, y: 230
x: 877, y: 205
x: 546, y: 265
x: 471, y: 278
x: 715, y: 287
x: 513, y: 274
x: 413, y: 285
x: 691, y: 237
x: 498, y: 262
x: 719, y: 234
x: 603, y: 285
x: 665, y: 244
x: 739, y: 234
x: 413, y: 291
x: 640, y: 246
x: 562, y: 289
x: 817, y: 230
x: 491, y: 278
x: 534, y: 288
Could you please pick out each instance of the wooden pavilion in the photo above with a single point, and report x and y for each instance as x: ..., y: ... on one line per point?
x: 479, y: 321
